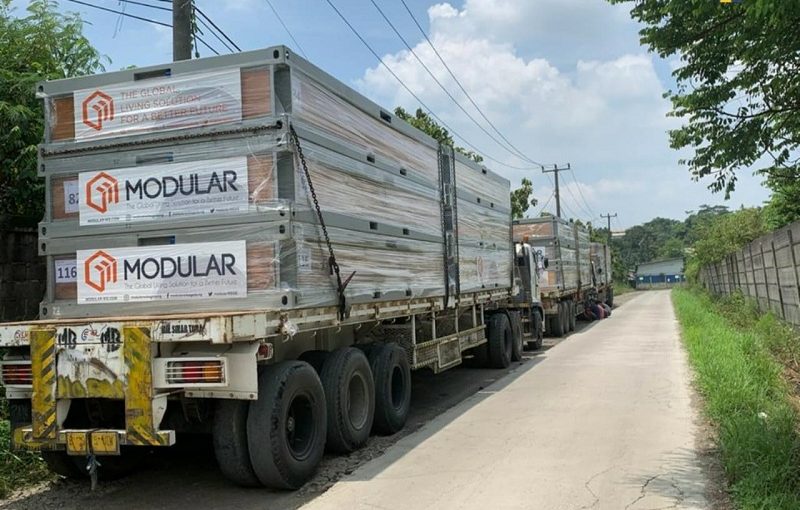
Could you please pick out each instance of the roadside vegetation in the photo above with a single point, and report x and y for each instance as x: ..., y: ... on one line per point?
x: 18, y: 469
x: 747, y: 368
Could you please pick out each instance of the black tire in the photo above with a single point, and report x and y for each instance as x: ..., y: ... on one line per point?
x: 557, y: 322
x: 392, y: 375
x: 573, y: 319
x: 538, y: 333
x: 229, y: 432
x: 62, y: 464
x: 350, y: 399
x: 517, y: 346
x: 500, y: 340
x: 286, y: 426
x: 315, y: 358
x: 610, y: 297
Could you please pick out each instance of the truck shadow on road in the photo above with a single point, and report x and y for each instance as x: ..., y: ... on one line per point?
x: 187, y: 474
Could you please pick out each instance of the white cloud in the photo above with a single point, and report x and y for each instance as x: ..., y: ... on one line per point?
x: 598, y: 106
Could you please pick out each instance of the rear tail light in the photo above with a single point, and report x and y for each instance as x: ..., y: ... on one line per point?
x: 195, y: 372
x: 17, y: 373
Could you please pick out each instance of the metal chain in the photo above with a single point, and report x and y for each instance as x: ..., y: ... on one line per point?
x: 332, y: 258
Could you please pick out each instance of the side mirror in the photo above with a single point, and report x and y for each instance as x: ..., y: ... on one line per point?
x: 546, y: 262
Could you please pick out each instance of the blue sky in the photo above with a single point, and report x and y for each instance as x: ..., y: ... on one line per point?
x: 564, y: 80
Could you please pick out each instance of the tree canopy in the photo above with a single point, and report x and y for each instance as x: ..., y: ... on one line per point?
x: 738, y: 88
x: 43, y: 44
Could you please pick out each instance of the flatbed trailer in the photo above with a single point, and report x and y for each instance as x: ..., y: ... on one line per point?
x: 574, y: 272
x: 360, y: 250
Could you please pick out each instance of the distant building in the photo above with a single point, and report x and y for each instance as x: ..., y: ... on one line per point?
x: 660, y: 273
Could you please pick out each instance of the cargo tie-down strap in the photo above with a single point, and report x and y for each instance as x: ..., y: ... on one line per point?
x: 341, y: 286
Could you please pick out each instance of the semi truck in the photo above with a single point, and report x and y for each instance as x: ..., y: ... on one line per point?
x: 578, y: 271
x: 245, y: 247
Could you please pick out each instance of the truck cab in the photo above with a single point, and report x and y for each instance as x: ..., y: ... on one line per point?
x: 527, y: 265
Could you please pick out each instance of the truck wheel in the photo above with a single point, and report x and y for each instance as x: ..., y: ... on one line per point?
x: 350, y: 398
x: 501, y: 340
x: 286, y: 426
x: 392, y: 387
x: 517, y: 346
x: 573, y: 319
x: 230, y: 442
x: 557, y: 323
x: 610, y: 297
x: 62, y: 464
x: 538, y: 334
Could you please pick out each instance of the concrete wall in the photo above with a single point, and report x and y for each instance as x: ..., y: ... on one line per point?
x: 766, y: 270
x: 23, y: 275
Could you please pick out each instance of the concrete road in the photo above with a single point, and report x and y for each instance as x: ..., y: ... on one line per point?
x: 604, y: 421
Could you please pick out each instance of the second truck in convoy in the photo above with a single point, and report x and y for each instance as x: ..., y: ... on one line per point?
x: 281, y: 312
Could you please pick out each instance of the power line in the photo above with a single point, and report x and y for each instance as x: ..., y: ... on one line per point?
x: 140, y: 18
x: 201, y: 19
x: 460, y: 86
x: 447, y: 92
x: 580, y: 192
x: 202, y: 14
x: 547, y: 203
x: 581, y: 208
x: 411, y: 92
x: 275, y: 11
x: 134, y: 2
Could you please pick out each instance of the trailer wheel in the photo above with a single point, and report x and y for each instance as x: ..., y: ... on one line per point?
x: 392, y: 387
x: 62, y: 464
x: 610, y: 297
x: 501, y: 340
x: 557, y: 322
x: 573, y: 311
x: 286, y: 426
x: 538, y: 334
x: 350, y: 398
x: 517, y: 347
x: 230, y: 442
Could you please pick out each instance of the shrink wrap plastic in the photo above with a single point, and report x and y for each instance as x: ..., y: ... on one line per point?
x: 125, y: 228
x: 565, y: 245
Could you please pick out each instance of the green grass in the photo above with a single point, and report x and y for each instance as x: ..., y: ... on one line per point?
x: 741, y: 360
x: 18, y: 469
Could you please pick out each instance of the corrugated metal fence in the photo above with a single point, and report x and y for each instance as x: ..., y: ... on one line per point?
x: 767, y: 270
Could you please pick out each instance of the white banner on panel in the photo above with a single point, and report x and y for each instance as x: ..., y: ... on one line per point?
x: 215, y: 186
x: 160, y: 273
x: 190, y: 100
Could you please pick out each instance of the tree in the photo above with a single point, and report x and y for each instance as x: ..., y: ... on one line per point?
x: 738, y: 86
x: 43, y: 45
x: 522, y: 200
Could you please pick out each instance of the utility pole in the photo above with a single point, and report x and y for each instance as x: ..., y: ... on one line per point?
x: 181, y: 29
x: 556, y: 170
x: 608, y: 217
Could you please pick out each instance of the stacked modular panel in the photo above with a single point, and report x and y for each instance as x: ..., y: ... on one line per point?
x: 213, y: 213
x: 555, y: 239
